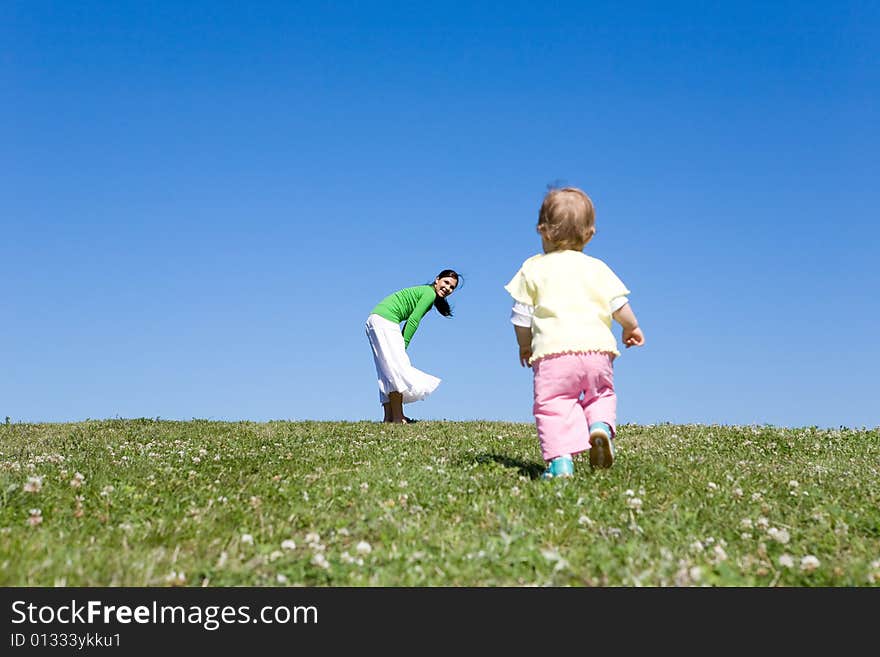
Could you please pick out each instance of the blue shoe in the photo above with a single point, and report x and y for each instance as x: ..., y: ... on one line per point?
x: 561, y: 466
x: 601, y: 446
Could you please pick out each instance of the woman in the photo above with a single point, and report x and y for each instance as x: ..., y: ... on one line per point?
x: 399, y: 382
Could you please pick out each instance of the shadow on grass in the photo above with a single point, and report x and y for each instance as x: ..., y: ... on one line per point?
x: 531, y: 470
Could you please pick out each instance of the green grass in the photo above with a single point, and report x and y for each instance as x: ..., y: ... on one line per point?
x: 433, y: 504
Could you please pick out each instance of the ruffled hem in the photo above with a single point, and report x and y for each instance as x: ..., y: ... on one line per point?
x: 567, y: 352
x: 395, y: 372
x: 415, y: 392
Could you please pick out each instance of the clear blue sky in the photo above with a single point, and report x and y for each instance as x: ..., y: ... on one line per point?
x: 202, y: 201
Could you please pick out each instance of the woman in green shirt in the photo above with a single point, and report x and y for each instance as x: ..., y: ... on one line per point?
x: 400, y: 382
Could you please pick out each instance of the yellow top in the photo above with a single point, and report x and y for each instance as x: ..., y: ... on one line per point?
x: 571, y: 293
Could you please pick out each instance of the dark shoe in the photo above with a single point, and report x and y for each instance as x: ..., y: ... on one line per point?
x: 601, y: 446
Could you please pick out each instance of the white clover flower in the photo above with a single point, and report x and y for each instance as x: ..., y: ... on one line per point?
x: 762, y: 523
x: 786, y: 561
x: 746, y: 523
x: 551, y: 554
x: 363, y: 548
x: 320, y: 561
x: 35, y: 518
x: 175, y: 579
x: 712, y: 485
x: 629, y: 492
x: 313, y: 537
x: 288, y: 544
x: 281, y: 578
x: 585, y: 520
x: 737, y: 492
x: 347, y: 558
x: 793, y: 484
x: 682, y: 578
x: 719, y: 554
x: 697, y: 546
x: 695, y: 573
x: 809, y: 563
x: 33, y: 485
x: 635, y: 504
x: 247, y: 539
x: 779, y: 535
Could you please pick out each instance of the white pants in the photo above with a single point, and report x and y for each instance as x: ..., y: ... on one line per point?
x: 394, y: 371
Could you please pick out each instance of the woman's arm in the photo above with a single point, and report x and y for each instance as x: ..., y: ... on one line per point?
x: 412, y: 322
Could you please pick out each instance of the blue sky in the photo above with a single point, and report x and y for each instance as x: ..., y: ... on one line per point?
x: 201, y: 202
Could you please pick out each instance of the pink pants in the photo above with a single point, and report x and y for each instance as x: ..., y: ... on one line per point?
x: 571, y: 392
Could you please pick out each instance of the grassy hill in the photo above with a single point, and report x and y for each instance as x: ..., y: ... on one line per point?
x: 146, y: 502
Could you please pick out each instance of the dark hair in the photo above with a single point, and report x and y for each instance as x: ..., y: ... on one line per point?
x: 441, y: 304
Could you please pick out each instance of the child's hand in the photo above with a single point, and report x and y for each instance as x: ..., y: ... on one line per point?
x: 524, y: 342
x: 633, y: 337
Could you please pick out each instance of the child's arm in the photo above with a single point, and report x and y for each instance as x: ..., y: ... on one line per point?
x: 632, y: 334
x: 524, y: 340
x: 521, y: 317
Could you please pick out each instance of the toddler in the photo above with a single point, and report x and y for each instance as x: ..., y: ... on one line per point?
x: 564, y: 301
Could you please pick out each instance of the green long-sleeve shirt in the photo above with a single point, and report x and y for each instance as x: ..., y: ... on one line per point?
x: 409, y: 304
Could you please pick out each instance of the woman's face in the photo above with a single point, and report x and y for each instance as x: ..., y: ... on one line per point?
x: 445, y: 286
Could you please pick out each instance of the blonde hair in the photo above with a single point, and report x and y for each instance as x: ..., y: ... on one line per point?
x: 567, y: 219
